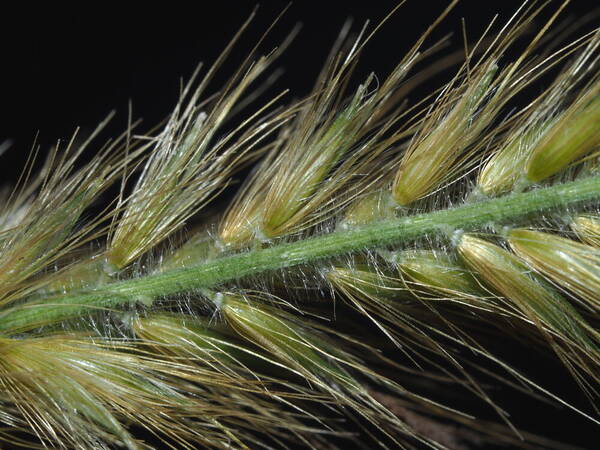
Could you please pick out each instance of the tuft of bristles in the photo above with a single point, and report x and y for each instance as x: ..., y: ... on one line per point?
x: 106, y: 340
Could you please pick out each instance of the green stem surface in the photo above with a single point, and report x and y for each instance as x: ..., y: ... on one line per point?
x: 510, y: 209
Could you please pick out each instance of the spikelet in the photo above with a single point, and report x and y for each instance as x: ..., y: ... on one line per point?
x: 76, y: 390
x: 386, y: 301
x: 451, y: 128
x: 196, y: 249
x: 40, y: 219
x: 213, y: 347
x: 186, y: 170
x: 573, y: 135
x: 587, y: 229
x: 547, y: 139
x: 304, y: 349
x: 304, y: 179
x: 361, y: 278
x: 539, y: 303
x: 369, y: 208
x: 504, y: 170
x: 287, y: 341
x: 568, y: 263
x: 173, y: 334
x: 375, y: 293
x: 436, y: 273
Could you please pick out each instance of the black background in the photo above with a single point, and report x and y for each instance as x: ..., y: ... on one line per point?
x: 68, y: 68
x: 63, y: 68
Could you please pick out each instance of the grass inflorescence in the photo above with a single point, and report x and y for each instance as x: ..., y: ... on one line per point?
x: 356, y: 287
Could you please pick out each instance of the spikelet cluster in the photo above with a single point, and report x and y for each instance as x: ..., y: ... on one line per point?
x: 107, y: 340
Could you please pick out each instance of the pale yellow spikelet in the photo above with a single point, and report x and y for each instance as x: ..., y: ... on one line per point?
x: 374, y: 292
x: 505, y: 274
x: 568, y: 263
x: 309, y: 174
x: 364, y: 281
x: 434, y: 273
x: 217, y: 353
x: 504, y: 170
x: 173, y: 333
x: 439, y: 150
x: 302, y: 349
x: 587, y: 228
x: 299, y: 178
x: 288, y: 186
x: 574, y: 133
x: 286, y: 340
x: 239, y: 225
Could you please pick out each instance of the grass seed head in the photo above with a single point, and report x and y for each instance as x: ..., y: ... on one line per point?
x: 181, y: 334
